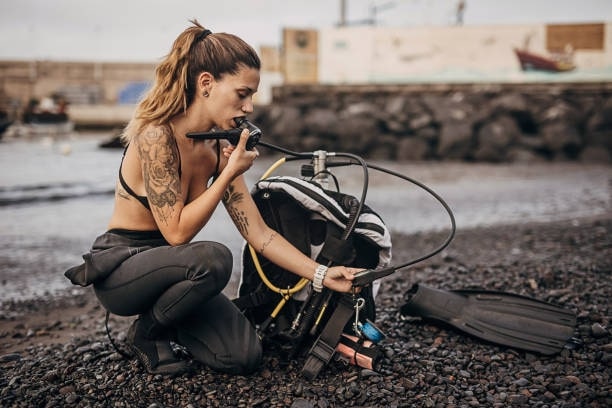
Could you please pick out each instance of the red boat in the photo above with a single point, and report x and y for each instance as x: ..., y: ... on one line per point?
x: 534, y: 62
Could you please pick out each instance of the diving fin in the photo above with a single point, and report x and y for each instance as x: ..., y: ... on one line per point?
x: 502, y: 318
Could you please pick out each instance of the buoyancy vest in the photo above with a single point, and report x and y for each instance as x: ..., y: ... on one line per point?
x: 313, y: 220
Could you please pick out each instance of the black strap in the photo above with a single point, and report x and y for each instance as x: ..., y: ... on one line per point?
x: 218, y: 161
x: 143, y: 200
x: 117, y: 349
x: 254, y: 299
x: 324, y: 347
x: 216, y: 175
x: 337, y: 251
x: 372, y: 352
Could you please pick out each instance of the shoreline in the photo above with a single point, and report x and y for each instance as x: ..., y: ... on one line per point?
x: 55, y: 232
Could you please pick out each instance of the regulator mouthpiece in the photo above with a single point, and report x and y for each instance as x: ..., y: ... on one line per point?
x: 254, y: 131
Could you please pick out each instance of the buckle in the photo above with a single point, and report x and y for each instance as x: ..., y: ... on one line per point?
x: 320, y: 354
x: 322, y: 351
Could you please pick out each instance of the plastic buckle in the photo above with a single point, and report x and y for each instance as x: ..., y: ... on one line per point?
x: 320, y: 354
x: 322, y: 351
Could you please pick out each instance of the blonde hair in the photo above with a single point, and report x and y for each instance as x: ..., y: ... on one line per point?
x: 194, y: 51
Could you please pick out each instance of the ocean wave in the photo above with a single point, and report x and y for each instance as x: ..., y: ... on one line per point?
x: 26, y: 194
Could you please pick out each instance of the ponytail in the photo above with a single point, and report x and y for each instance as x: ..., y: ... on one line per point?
x: 194, y: 51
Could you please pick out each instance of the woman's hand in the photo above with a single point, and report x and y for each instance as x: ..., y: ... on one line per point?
x: 238, y: 158
x: 339, y: 278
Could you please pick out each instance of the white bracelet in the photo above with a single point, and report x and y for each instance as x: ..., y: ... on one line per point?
x: 317, y: 280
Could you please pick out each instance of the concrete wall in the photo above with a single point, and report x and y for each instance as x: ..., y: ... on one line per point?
x: 84, y: 82
x: 451, y: 54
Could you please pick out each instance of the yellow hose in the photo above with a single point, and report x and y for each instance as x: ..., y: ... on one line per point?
x: 273, y: 167
x: 285, y: 293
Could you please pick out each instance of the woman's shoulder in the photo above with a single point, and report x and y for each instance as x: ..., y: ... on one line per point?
x: 155, y: 133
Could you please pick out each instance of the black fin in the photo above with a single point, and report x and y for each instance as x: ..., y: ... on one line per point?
x: 501, y: 318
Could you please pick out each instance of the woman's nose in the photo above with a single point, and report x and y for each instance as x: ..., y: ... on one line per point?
x: 247, y: 107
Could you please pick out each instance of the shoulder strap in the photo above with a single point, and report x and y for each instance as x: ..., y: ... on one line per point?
x: 328, y: 204
x: 143, y: 200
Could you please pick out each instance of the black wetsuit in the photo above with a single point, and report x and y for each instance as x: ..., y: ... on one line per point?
x: 182, y: 286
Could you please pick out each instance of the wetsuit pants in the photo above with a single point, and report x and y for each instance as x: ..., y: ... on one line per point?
x: 181, y: 286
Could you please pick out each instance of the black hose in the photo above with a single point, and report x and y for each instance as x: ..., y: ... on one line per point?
x: 356, y: 160
x: 451, y: 235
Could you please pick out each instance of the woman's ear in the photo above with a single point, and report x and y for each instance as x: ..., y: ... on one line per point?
x: 205, y: 81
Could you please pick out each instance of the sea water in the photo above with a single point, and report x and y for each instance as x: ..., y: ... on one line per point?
x: 56, y: 196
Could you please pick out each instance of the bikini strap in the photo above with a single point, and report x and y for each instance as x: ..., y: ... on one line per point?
x: 216, y: 174
x: 143, y: 200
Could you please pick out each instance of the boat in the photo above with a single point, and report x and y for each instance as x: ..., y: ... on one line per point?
x: 47, y: 118
x: 55, y: 124
x: 559, y: 62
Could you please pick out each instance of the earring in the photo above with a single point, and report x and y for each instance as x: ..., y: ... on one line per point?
x: 205, y: 94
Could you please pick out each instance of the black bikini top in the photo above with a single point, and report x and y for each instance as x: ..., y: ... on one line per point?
x: 143, y: 199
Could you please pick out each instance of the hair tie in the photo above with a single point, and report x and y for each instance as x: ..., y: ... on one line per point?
x: 203, y: 35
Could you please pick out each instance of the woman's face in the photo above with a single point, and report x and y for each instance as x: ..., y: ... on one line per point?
x: 232, y: 96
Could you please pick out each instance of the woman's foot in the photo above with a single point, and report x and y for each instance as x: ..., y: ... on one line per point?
x: 156, y: 355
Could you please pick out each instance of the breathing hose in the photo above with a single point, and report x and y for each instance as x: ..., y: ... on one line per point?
x: 368, y: 276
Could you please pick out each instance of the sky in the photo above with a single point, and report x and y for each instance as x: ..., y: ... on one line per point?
x: 143, y: 30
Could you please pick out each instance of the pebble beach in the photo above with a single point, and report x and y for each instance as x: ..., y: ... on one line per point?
x: 55, y: 351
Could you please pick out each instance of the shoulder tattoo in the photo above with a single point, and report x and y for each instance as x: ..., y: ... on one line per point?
x: 160, y: 161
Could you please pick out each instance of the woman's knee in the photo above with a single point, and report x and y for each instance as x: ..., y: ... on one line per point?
x: 211, y: 259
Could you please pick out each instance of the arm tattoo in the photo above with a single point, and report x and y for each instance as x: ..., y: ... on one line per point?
x: 265, y: 244
x: 160, y: 161
x: 230, y: 199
